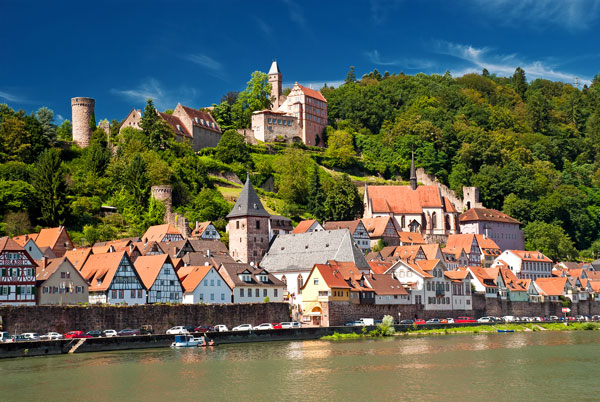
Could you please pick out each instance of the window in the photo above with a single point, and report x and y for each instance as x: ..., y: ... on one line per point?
x: 242, y: 292
x: 316, y: 281
x: 139, y: 292
x: 132, y: 293
x: 237, y: 224
x: 114, y: 294
x: 121, y: 294
x: 274, y: 292
x: 428, y: 286
x: 212, y: 282
x: 218, y: 282
x: 202, y: 296
x: 222, y: 296
x: 63, y: 275
x: 257, y: 226
x: 212, y: 297
x: 256, y: 292
x: 264, y: 292
x: 205, y: 282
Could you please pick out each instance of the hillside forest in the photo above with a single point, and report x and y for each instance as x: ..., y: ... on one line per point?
x: 532, y: 147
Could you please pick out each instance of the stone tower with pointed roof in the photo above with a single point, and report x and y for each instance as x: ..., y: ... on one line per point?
x: 413, y: 173
x: 248, y: 226
x: 275, y: 79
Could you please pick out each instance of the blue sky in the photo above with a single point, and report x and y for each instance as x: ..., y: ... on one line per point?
x: 193, y: 52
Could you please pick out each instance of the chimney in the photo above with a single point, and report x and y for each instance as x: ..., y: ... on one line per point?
x: 208, y: 253
x: 44, y: 262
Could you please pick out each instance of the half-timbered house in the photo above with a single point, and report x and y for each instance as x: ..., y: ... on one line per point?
x: 17, y: 274
x: 159, y: 278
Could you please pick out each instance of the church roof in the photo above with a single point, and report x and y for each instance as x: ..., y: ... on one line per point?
x: 313, y: 93
x: 486, y: 214
x: 403, y: 199
x: 248, y: 203
x: 274, y: 68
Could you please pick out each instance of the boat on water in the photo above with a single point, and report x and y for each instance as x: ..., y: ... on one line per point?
x: 506, y: 330
x: 188, y: 341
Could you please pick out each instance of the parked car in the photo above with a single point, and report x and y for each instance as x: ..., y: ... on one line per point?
x: 580, y: 318
x: 129, y: 332
x: 296, y: 324
x: 486, y: 320
x: 18, y: 338
x: 450, y: 320
x: 243, y: 327
x: 406, y: 322
x: 596, y: 318
x: 50, y: 336
x: 508, y: 318
x: 190, y: 328
x: 146, y: 330
x: 357, y: 323
x: 276, y: 325
x: 4, y: 337
x: 204, y: 328
x: 31, y: 336
x: 419, y: 322
x: 287, y: 325
x: 179, y: 330
x: 443, y: 321
x: 221, y: 328
x: 433, y: 321
x: 266, y: 325
x: 463, y: 320
x: 553, y: 318
x: 76, y: 334
x: 95, y: 333
x: 109, y: 333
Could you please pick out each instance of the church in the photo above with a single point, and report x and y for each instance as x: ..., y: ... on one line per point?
x: 415, y: 208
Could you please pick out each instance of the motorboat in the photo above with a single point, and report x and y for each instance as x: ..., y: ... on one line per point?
x: 188, y: 341
x: 506, y: 330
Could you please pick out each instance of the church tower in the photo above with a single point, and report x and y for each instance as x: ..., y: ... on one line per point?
x: 275, y: 79
x: 248, y: 226
x: 413, y: 173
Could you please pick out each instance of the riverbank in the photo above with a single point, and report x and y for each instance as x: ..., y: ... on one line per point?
x: 417, y: 330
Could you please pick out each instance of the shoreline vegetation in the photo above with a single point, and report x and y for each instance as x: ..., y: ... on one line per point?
x: 417, y: 330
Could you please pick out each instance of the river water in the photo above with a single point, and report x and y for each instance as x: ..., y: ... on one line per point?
x: 508, y: 367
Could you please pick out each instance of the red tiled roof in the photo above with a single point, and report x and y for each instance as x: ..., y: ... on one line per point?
x: 593, y: 275
x: 350, y: 225
x: 380, y: 267
x: 176, y: 124
x: 23, y: 239
x: 530, y: 255
x: 432, y: 251
x: 101, y: 267
x: 49, y: 236
x: 303, y: 226
x: 312, y: 93
x: 202, y: 116
x: 78, y: 256
x: 403, y: 199
x: 148, y: 267
x: 485, y: 214
x: 195, y: 277
x: 551, y: 286
x: 8, y: 244
x: 157, y: 232
x: 449, y: 206
x: 332, y: 276
x: 456, y: 275
x: 201, y: 227
x: 407, y: 252
x: 411, y: 237
x: 376, y: 226
x: 427, y: 265
x: 386, y: 285
x: 511, y: 281
x: 418, y: 270
x: 483, y: 274
x: 595, y: 284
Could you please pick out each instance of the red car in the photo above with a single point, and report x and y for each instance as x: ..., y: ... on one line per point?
x: 276, y: 325
x: 462, y: 320
x: 204, y: 328
x: 76, y: 334
x: 419, y: 322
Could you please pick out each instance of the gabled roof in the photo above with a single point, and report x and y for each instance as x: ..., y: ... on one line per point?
x: 348, y: 269
x: 198, y: 259
x: 376, y: 226
x: 300, y: 252
x: 230, y: 272
x: 23, y: 239
x: 403, y: 199
x: 465, y: 240
x: 304, y: 226
x: 551, y: 286
x: 486, y: 276
x: 530, y: 255
x: 458, y: 275
x: 158, y: 232
x: 149, y: 247
x: 449, y: 206
x: 485, y: 214
x: 195, y: 276
x: 176, y: 124
x: 511, y: 281
x: 427, y: 265
x: 417, y: 268
x: 44, y: 273
x: 201, y: 119
x: 595, y: 284
x: 411, y: 238
x: 380, y: 267
x: 148, y: 267
x: 101, y: 267
x: 173, y: 247
x: 8, y: 244
x: 432, y: 251
x: 332, y: 277
x: 593, y: 275
x: 407, y: 252
x: 200, y: 228
x: 204, y: 246
x: 78, y: 256
x: 118, y: 242
x: 248, y: 203
x: 49, y: 237
x: 312, y: 93
x: 350, y: 225
x: 385, y: 285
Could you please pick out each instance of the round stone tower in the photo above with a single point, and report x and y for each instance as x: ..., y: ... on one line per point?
x: 163, y: 193
x: 82, y: 110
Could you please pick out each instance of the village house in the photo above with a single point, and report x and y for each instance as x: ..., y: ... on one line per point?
x: 176, y: 249
x: 28, y: 243
x: 420, y: 209
x: 113, y: 280
x: 59, y: 282
x: 496, y: 225
x: 204, y: 284
x: 291, y: 257
x: 162, y: 233
x: 56, y: 239
x: 159, y: 278
x: 357, y: 230
x: 381, y: 229
x: 388, y: 290
x: 552, y: 289
x: 78, y: 256
x: 279, y: 225
x: 17, y: 274
x: 480, y: 250
x: 455, y: 258
x: 410, y: 238
x: 310, y: 225
x: 513, y: 288
x: 486, y: 281
x: 205, y: 231
x: 250, y: 284
x: 526, y: 264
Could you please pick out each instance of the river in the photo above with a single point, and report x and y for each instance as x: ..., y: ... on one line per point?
x: 517, y: 366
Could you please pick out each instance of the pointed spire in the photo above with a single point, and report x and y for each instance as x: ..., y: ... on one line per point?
x: 274, y: 68
x: 248, y: 203
x: 413, y: 172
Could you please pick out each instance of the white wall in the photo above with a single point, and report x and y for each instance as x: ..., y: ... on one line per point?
x: 261, y: 296
x: 212, y: 284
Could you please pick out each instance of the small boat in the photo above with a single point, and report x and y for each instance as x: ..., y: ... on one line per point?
x: 188, y: 341
x: 506, y: 330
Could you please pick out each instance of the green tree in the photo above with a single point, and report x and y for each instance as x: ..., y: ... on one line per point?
x: 16, y: 223
x: 64, y: 132
x: 208, y: 205
x: 154, y: 128
x: 343, y: 202
x: 232, y: 147
x: 136, y: 180
x: 316, y: 195
x: 50, y: 186
x: 14, y: 140
x: 350, y: 76
x: 550, y: 239
x: 46, y: 117
x: 340, y: 147
x: 16, y: 196
x: 256, y: 96
x: 293, y: 173
x: 519, y: 82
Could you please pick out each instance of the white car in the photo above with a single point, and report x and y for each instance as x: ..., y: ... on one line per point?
x: 450, y: 320
x: 265, y: 325
x: 221, y: 328
x: 5, y: 337
x: 243, y: 327
x: 179, y: 330
x: 486, y: 320
x: 509, y: 318
x: 50, y: 336
x: 109, y: 333
x: 288, y: 325
x: 31, y: 336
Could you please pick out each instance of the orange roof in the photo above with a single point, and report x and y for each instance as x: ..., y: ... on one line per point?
x: 432, y: 251
x: 348, y: 269
x: 551, y: 286
x: 335, y: 225
x: 386, y: 285
x: 575, y: 273
x: 376, y: 226
x: 312, y: 93
x: 43, y: 273
x: 407, y: 252
x: 511, y: 281
x: 485, y: 214
x: 158, y: 232
x: 595, y: 284
x: 418, y: 269
x: 49, y: 236
x: 99, y: 270
x: 380, y: 267
x: 593, y: 275
x: 427, y: 265
x: 8, y: 244
x: 78, y: 256
x: 102, y: 249
x: 303, y: 226
x: 485, y: 274
x: 23, y: 239
x: 456, y: 275
x: 195, y: 276
x: 148, y: 267
x: 449, y: 206
x: 465, y: 240
x: 403, y: 199
x: 200, y: 228
x: 411, y: 237
x: 332, y: 276
x: 530, y: 255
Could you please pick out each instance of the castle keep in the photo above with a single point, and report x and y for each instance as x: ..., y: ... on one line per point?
x: 82, y: 112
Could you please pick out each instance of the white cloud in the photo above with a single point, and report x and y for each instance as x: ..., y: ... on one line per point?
x: 152, y: 88
x: 503, y: 65
x: 13, y: 98
x: 574, y: 15
x: 212, y: 66
x: 411, y: 64
x: 315, y: 84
